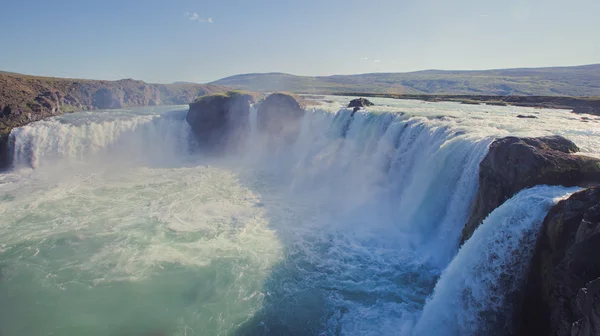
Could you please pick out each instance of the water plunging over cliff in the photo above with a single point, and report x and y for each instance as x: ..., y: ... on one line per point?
x: 124, y: 228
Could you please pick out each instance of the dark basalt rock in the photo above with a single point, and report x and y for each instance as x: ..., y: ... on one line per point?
x: 219, y: 121
x: 526, y: 116
x: 562, y: 295
x: 360, y: 102
x: 280, y: 114
x: 513, y: 164
x: 5, y: 158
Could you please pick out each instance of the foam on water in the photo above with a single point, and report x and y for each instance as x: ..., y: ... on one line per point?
x: 133, y: 252
x: 122, y: 229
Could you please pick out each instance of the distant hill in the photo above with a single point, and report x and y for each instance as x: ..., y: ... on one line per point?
x: 184, y: 82
x: 554, y: 81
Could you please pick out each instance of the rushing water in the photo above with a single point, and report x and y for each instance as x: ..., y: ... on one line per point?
x: 122, y: 228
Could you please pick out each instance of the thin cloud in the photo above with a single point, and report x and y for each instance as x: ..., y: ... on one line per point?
x: 483, y: 15
x: 364, y: 59
x: 377, y: 61
x: 197, y: 18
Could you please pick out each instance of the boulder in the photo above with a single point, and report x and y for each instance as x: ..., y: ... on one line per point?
x: 280, y: 114
x: 562, y: 295
x: 526, y: 116
x: 360, y: 102
x: 513, y: 164
x: 219, y: 120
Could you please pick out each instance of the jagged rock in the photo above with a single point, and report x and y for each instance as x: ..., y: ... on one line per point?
x: 513, y: 164
x: 522, y: 116
x: 280, y: 114
x: 360, y: 102
x: 562, y: 295
x: 48, y: 101
x: 218, y: 120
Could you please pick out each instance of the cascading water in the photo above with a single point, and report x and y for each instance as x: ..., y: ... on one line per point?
x: 89, y: 136
x: 471, y: 295
x: 122, y: 229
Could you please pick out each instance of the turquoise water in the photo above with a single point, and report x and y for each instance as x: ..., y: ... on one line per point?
x: 135, y: 252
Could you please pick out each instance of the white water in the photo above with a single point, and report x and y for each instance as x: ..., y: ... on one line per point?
x: 103, y: 136
x: 472, y: 293
x: 122, y: 230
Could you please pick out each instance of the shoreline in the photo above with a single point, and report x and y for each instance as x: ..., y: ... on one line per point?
x: 587, y: 105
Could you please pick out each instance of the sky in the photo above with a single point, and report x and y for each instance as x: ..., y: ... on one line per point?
x: 163, y: 41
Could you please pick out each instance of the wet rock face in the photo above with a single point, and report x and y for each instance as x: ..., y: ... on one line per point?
x: 513, y: 164
x: 562, y: 295
x: 220, y: 121
x: 106, y: 99
x: 280, y: 114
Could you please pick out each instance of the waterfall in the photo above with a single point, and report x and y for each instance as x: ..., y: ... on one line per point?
x: 100, y: 137
x: 418, y: 175
x: 402, y: 170
x: 368, y: 205
x: 474, y: 293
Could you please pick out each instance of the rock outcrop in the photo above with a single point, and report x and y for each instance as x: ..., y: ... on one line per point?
x: 280, y: 114
x: 25, y: 99
x: 107, y: 99
x: 562, y: 295
x: 220, y: 120
x: 360, y: 102
x: 513, y: 164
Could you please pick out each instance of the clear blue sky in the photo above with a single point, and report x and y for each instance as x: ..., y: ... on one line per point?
x: 201, y: 40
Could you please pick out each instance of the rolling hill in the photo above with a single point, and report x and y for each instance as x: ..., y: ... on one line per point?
x: 554, y: 81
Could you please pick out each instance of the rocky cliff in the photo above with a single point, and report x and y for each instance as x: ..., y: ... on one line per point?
x: 24, y: 99
x: 562, y: 295
x: 513, y: 164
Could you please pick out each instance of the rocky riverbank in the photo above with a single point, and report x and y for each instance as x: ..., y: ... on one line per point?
x: 589, y: 105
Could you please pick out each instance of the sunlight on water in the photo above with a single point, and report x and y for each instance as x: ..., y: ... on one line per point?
x: 123, y: 229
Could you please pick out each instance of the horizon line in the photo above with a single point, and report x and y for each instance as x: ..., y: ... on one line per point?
x: 4, y: 72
